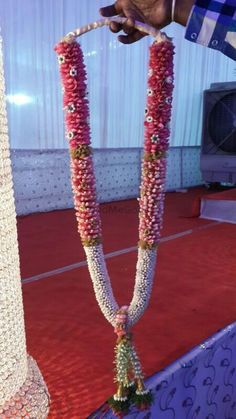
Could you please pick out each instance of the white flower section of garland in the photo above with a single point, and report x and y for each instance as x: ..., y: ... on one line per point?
x: 145, y: 270
x: 101, y: 282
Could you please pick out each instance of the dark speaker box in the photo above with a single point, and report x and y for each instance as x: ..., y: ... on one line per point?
x: 219, y: 122
x: 218, y: 148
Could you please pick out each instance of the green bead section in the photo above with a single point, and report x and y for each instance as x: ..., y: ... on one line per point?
x: 119, y: 407
x: 127, y: 361
x: 142, y: 401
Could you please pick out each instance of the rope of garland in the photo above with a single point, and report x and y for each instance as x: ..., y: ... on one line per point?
x: 151, y: 201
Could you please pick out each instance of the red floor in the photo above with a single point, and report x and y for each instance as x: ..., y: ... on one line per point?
x: 49, y: 241
x: 194, y: 295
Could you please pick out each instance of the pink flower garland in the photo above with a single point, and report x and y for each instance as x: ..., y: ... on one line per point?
x: 158, y: 114
x: 75, y: 103
x: 157, y: 117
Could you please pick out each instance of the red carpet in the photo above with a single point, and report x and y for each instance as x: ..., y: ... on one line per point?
x: 49, y: 241
x: 194, y: 295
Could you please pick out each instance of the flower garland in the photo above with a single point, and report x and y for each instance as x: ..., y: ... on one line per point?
x: 151, y: 202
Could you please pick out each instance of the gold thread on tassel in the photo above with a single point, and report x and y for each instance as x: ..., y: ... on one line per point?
x: 120, y: 390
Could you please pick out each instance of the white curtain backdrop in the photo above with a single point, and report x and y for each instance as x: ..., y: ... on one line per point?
x: 117, y: 77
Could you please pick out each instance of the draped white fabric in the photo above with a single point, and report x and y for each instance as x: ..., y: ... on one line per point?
x: 117, y: 77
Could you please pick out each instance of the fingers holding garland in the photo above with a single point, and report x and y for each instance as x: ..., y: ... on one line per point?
x: 128, y: 27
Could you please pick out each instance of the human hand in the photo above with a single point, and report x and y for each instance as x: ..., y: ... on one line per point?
x: 156, y: 13
x: 153, y: 12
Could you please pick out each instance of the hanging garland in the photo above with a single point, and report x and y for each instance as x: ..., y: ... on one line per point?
x: 129, y: 375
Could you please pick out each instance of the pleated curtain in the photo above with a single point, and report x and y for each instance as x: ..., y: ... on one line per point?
x: 116, y: 77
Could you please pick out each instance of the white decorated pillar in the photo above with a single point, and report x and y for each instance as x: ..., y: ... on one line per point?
x: 22, y: 389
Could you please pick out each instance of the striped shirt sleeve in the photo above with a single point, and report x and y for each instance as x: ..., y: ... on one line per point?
x: 213, y: 23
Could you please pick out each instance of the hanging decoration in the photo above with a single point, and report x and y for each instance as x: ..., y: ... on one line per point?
x: 129, y: 374
x: 23, y: 392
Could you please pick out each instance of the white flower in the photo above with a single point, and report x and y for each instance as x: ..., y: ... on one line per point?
x: 73, y: 72
x: 61, y: 59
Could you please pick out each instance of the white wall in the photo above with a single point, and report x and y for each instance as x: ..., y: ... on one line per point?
x: 42, y: 178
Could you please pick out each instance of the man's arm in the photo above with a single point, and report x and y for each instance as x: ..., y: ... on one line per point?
x: 214, y: 25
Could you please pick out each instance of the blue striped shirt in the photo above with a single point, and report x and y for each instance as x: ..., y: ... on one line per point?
x: 213, y: 23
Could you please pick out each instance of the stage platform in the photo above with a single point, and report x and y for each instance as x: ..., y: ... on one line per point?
x: 219, y: 206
